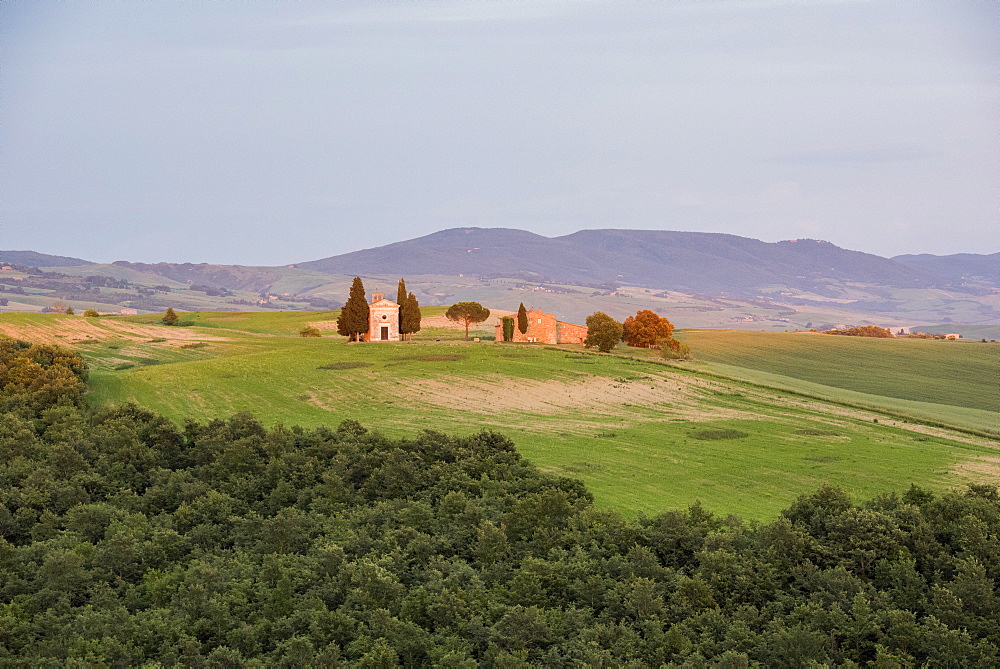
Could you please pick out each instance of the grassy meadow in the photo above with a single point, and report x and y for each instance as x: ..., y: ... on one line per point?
x: 643, y: 436
x: 949, y: 382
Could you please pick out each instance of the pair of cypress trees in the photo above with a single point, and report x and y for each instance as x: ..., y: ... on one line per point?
x: 353, y: 321
x: 409, y: 311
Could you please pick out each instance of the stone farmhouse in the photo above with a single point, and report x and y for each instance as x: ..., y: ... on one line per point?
x: 383, y: 319
x: 543, y: 328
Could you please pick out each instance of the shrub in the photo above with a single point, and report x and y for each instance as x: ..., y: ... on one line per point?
x: 718, y: 434
x: 91, y: 313
x: 671, y: 349
x: 309, y: 331
x: 437, y: 357
x: 345, y: 365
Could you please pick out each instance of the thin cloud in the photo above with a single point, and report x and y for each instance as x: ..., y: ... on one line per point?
x: 870, y: 155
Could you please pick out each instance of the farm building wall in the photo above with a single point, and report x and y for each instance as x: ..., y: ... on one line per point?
x: 570, y: 333
x: 543, y: 328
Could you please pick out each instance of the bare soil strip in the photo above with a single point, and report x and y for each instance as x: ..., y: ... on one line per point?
x: 497, y: 395
x: 324, y: 326
x: 984, y: 469
x: 75, y: 330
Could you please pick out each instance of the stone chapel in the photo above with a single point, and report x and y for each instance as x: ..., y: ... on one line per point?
x: 383, y: 319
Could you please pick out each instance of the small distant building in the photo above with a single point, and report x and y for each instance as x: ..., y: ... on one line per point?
x: 543, y: 328
x: 383, y: 319
x: 953, y: 336
x: 129, y: 312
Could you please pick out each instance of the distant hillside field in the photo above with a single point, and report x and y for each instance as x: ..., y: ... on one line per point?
x: 953, y: 373
x: 643, y: 436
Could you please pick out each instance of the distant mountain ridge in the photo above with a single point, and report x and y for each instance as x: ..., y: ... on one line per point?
x: 956, y: 268
x: 33, y: 259
x: 691, y: 262
x: 683, y: 261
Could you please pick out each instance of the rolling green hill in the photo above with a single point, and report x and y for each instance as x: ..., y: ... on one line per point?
x: 943, y: 372
x: 644, y: 436
x: 952, y: 382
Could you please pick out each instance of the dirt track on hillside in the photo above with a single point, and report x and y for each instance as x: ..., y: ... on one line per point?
x: 830, y: 409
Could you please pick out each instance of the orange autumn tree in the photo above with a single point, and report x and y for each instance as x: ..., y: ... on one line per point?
x: 647, y: 330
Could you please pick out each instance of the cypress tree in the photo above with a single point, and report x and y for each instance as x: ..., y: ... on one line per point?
x: 410, y: 316
x: 401, y: 301
x: 401, y: 293
x: 508, y: 328
x: 522, y: 319
x: 353, y: 319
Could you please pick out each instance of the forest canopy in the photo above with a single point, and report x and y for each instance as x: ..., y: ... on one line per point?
x: 126, y: 539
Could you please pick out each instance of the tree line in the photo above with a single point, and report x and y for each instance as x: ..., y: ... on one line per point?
x: 863, y: 331
x: 126, y: 539
x: 646, y: 329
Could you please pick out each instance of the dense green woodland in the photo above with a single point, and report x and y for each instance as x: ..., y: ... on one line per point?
x: 128, y: 540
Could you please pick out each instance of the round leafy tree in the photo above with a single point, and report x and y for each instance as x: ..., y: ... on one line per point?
x: 603, y: 332
x: 467, y: 313
x: 646, y: 329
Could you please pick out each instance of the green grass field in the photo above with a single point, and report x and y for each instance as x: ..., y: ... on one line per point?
x: 943, y: 372
x: 642, y: 435
x: 951, y: 382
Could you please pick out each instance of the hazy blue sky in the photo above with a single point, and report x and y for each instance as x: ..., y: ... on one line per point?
x: 275, y: 132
